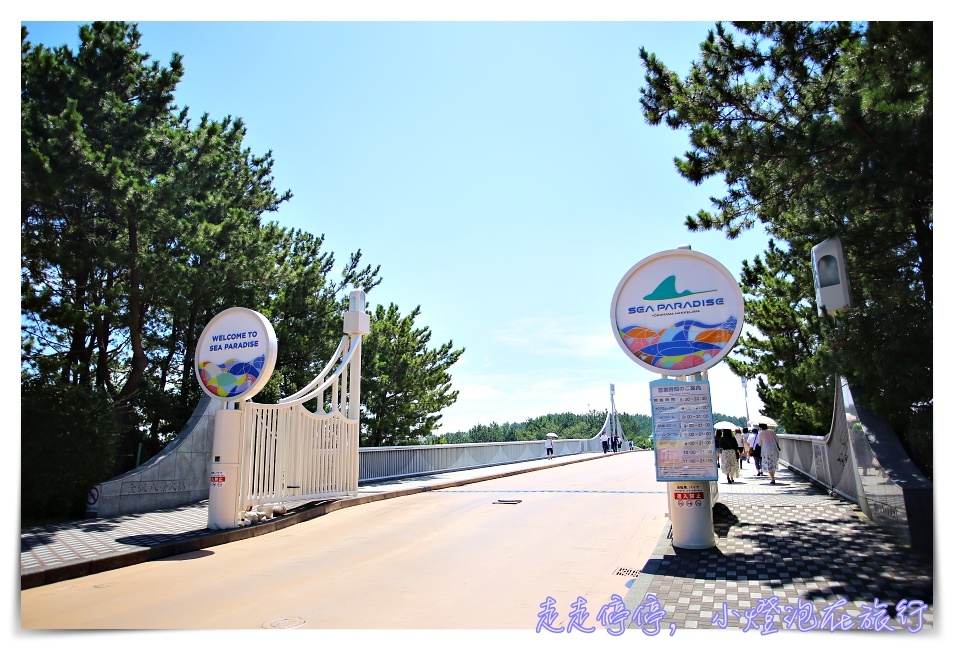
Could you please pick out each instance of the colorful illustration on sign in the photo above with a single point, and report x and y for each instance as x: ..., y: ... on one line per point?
x: 231, y: 378
x: 683, y: 346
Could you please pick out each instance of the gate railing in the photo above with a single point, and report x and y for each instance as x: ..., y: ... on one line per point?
x: 291, y: 453
x: 861, y: 460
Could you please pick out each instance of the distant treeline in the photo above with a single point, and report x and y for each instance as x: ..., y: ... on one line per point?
x: 637, y: 428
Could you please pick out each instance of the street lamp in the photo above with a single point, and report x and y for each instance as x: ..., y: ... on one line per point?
x: 745, y: 387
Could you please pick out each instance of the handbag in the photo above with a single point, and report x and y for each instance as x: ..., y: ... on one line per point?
x: 757, y: 452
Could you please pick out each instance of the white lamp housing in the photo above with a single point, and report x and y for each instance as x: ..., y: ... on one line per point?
x: 832, y: 293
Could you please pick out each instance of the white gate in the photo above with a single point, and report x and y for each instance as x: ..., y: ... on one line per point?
x: 290, y: 453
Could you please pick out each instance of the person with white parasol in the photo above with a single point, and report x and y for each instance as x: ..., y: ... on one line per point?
x: 549, y: 443
x: 768, y: 441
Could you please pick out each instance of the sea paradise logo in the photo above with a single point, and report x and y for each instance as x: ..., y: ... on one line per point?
x: 679, y: 327
x: 666, y: 291
x: 231, y: 378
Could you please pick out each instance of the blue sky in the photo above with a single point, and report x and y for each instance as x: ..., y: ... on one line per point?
x: 501, y: 173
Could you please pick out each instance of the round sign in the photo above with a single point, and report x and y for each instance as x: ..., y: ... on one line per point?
x: 236, y: 354
x: 677, y: 312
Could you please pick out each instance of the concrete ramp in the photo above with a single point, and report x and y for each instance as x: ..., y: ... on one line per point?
x: 177, y: 475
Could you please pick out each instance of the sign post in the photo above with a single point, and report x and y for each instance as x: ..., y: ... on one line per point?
x: 678, y: 313
x: 234, y: 358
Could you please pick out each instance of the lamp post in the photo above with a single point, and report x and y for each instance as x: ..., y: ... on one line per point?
x: 745, y: 387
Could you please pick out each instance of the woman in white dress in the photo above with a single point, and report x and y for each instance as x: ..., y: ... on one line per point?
x: 770, y: 448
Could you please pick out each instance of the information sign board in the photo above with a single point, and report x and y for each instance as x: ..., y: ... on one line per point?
x: 683, y: 438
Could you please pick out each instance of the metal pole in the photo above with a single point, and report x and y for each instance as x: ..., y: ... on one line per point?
x: 745, y: 387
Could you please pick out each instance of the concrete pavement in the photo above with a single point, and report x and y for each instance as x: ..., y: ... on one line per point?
x: 58, y: 552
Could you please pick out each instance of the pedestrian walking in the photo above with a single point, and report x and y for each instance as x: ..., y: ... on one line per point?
x: 755, y: 451
x: 604, y: 441
x: 743, y: 444
x: 549, y: 445
x: 770, y: 450
x: 729, y: 455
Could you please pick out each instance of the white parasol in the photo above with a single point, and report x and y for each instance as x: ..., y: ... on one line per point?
x: 725, y: 425
x: 552, y: 435
x: 763, y: 419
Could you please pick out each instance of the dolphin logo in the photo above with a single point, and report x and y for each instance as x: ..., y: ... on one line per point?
x: 667, y: 291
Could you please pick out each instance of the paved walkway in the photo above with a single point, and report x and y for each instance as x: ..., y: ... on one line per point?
x: 787, y: 557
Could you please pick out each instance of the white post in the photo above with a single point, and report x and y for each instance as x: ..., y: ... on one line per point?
x: 224, y: 475
x: 357, y: 323
x: 692, y: 528
x: 745, y: 387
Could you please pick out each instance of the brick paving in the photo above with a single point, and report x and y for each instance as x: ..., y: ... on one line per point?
x: 790, y: 558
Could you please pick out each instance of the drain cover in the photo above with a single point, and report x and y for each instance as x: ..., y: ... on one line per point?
x: 622, y: 571
x: 283, y: 623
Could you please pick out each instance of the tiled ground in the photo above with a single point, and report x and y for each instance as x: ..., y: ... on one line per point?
x: 785, y: 557
x: 50, y: 546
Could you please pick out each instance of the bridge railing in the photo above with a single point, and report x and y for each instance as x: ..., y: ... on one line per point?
x: 381, y: 463
x: 861, y: 460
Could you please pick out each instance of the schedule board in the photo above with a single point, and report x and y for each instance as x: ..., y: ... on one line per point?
x: 683, y: 438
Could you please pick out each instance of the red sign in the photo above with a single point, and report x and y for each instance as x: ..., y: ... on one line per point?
x: 689, y: 496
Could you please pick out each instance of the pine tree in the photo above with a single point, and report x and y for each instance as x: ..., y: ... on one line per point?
x: 822, y: 130
x: 405, y: 383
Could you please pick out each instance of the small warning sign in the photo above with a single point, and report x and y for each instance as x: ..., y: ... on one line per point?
x: 218, y: 479
x: 688, y: 498
x: 92, y: 500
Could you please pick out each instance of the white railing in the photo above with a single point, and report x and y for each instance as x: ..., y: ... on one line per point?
x: 861, y: 460
x: 293, y: 454
x: 381, y: 463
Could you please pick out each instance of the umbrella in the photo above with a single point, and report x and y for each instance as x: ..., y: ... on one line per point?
x: 725, y: 425
x: 759, y: 419
x: 552, y: 435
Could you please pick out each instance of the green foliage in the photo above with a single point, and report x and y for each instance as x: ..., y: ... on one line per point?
x: 820, y: 130
x: 67, y: 445
x: 405, y: 384
x: 788, y: 355
x: 136, y: 226
x: 305, y: 307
